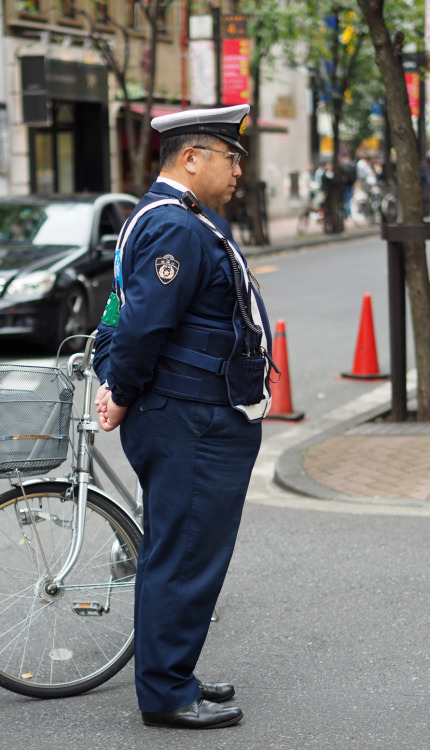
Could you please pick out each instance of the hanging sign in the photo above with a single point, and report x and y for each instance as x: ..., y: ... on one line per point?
x: 234, y: 26
x: 235, y: 71
x: 413, y: 87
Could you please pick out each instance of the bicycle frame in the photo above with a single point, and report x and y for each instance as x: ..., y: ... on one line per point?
x: 79, y: 367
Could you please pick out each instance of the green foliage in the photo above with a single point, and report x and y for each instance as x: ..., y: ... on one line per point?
x: 407, y: 15
x: 26, y: 6
x: 331, y: 41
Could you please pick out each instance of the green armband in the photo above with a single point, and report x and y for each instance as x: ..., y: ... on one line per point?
x: 111, y: 313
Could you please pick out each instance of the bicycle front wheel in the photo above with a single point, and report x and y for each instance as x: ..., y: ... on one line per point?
x: 303, y: 221
x: 54, y: 645
x: 389, y: 208
x: 360, y: 212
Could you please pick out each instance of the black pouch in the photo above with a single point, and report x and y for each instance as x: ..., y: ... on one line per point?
x: 245, y: 380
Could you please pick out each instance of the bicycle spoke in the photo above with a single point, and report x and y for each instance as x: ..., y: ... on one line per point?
x: 66, y: 641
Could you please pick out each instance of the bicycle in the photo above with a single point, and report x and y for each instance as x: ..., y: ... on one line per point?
x: 68, y: 550
x: 245, y: 218
x: 373, y: 206
x: 315, y: 212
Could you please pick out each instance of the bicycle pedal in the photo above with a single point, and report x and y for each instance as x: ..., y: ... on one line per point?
x: 88, y: 609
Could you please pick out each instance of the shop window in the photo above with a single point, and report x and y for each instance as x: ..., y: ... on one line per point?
x: 163, y: 18
x: 44, y: 166
x: 53, y: 153
x: 101, y: 12
x: 132, y: 13
x: 65, y: 113
x: 68, y: 9
x: 65, y: 162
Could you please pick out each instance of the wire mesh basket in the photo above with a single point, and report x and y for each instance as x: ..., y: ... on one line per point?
x: 35, y: 412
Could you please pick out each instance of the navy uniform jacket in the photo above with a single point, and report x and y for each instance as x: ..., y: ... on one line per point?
x: 192, y: 307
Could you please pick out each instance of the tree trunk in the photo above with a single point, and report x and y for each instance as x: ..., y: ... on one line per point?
x: 388, y: 58
x: 335, y: 197
x: 334, y: 219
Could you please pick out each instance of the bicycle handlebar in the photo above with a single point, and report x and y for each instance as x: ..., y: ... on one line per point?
x: 79, y: 362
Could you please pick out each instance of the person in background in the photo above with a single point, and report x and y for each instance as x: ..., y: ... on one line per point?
x: 349, y: 176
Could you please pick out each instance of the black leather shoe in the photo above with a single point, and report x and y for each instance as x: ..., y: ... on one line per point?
x: 199, y: 714
x: 218, y: 692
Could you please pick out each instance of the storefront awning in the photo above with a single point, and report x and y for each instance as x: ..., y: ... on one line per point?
x: 157, y: 110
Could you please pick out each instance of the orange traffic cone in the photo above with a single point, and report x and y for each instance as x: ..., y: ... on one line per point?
x: 281, y: 407
x: 365, y: 365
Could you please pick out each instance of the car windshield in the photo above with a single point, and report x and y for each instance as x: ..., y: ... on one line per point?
x: 59, y: 224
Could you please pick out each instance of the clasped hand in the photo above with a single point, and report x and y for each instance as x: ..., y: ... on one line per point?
x: 110, y: 414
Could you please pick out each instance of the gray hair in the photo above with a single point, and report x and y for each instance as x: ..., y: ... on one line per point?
x: 173, y: 146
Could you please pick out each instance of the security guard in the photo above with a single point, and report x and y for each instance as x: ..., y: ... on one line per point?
x: 183, y: 353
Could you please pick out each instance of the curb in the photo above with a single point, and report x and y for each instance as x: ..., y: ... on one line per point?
x: 289, y: 473
x: 306, y: 241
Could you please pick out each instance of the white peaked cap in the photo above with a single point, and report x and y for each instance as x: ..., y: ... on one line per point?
x: 226, y: 123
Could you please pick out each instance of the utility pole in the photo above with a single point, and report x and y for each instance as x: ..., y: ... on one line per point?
x: 4, y: 133
x: 426, y: 106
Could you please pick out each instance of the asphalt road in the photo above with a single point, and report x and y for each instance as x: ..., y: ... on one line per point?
x: 324, y: 616
x: 323, y: 628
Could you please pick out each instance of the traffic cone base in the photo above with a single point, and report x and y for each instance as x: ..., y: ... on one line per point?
x: 365, y: 365
x: 282, y: 407
x: 292, y: 416
x: 353, y: 376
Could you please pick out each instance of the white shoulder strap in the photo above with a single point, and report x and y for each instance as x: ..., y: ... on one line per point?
x: 124, y: 235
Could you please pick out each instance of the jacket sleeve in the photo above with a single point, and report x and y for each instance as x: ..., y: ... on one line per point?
x: 155, y: 303
x: 101, y: 352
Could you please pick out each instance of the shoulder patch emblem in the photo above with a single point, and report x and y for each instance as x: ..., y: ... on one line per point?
x: 167, y: 268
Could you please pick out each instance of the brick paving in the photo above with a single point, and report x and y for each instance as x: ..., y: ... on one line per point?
x: 375, y: 459
x: 377, y: 466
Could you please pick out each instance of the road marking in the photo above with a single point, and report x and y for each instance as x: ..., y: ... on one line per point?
x: 264, y: 269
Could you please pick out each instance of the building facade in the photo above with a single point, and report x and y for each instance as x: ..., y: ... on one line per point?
x: 62, y: 124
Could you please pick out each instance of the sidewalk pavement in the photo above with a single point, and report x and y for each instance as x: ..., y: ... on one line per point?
x: 359, y: 456
x: 283, y: 236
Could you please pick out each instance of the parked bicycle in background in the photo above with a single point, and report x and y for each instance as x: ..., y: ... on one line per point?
x: 245, y: 218
x: 315, y: 213
x: 373, y: 204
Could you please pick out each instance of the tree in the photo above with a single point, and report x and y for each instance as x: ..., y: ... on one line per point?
x: 118, y: 62
x: 326, y: 39
x: 388, y: 49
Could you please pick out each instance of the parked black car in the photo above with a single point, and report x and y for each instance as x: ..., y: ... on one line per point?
x: 56, y: 264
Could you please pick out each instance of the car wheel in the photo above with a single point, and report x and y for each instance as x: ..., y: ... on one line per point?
x: 73, y: 320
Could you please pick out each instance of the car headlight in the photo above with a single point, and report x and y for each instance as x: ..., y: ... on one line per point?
x: 31, y: 285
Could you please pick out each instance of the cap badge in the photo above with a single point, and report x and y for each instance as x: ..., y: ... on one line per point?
x: 242, y: 125
x: 167, y: 268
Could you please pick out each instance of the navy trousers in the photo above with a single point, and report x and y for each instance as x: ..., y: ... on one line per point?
x: 194, y: 462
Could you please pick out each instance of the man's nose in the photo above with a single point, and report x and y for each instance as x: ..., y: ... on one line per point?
x: 237, y: 170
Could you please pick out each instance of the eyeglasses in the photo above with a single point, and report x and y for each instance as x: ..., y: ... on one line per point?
x: 234, y: 155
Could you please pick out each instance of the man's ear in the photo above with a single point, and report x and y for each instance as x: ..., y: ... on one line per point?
x: 189, y: 160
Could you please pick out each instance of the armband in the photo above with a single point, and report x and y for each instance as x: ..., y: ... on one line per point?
x: 111, y: 314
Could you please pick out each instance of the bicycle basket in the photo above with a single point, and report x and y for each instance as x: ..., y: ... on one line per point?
x: 35, y: 412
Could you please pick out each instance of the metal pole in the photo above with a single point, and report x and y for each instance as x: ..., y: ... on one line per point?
x: 218, y: 53
x: 397, y: 307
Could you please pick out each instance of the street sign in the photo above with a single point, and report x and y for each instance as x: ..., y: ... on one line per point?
x: 234, y: 26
